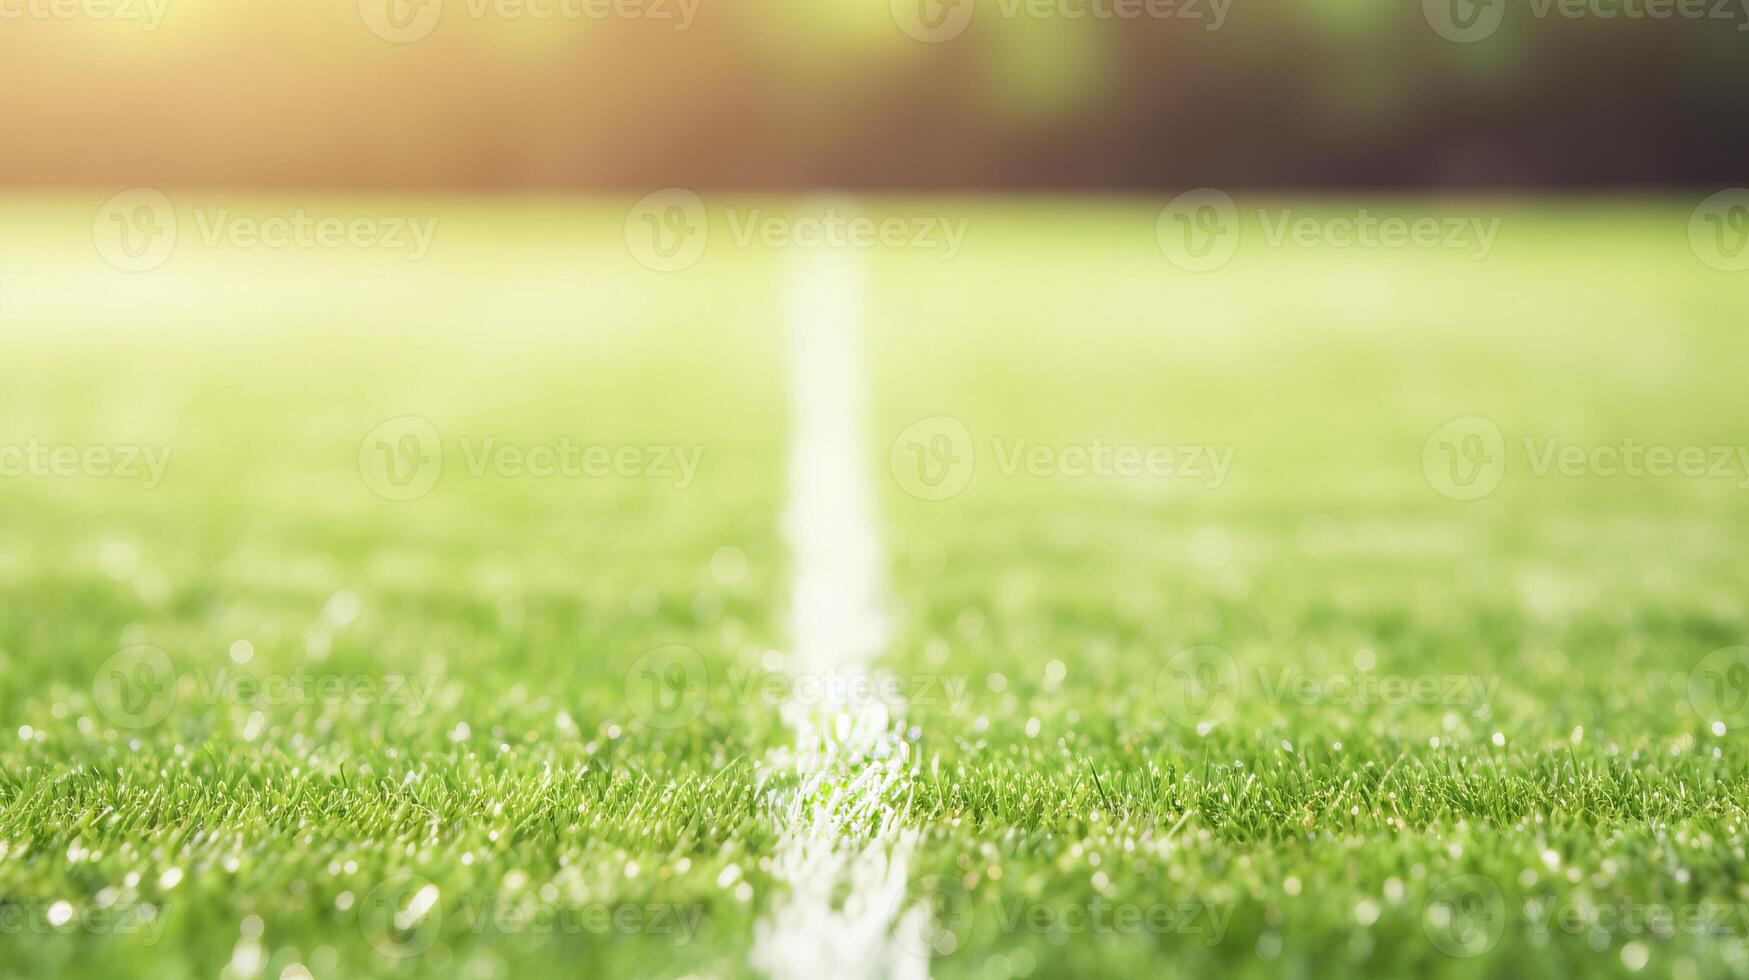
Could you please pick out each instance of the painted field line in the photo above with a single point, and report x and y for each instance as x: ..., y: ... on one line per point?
x: 842, y: 791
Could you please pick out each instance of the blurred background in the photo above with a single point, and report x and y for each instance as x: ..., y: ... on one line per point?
x: 866, y: 95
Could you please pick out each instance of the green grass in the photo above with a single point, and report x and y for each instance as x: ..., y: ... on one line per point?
x: 1559, y: 762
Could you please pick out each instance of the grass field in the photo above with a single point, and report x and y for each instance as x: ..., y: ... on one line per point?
x: 1294, y: 708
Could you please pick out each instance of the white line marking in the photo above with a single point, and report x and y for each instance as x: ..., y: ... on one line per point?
x: 845, y: 784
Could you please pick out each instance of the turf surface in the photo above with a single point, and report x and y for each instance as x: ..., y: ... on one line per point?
x: 521, y: 725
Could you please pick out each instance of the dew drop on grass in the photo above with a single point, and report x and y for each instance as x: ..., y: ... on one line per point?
x: 729, y: 565
x: 118, y: 559
x: 343, y: 607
